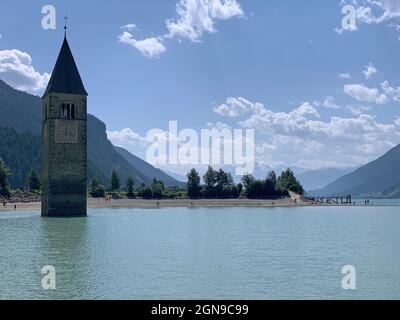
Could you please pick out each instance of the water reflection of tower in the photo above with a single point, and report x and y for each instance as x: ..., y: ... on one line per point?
x: 64, y: 244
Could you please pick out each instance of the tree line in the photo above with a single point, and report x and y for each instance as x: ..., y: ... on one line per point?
x: 21, y: 151
x: 33, y: 180
x: 220, y: 185
x: 217, y: 184
x: 155, y: 190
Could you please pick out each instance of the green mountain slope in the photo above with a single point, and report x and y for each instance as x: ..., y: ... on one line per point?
x: 21, y: 146
x: 21, y: 151
x: 147, y: 168
x: 19, y: 110
x: 316, y: 179
x: 379, y: 178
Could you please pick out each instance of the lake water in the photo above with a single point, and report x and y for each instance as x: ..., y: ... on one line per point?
x: 209, y: 253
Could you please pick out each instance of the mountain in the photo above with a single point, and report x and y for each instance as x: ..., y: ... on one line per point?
x: 20, y: 110
x: 177, y: 176
x: 147, y: 168
x: 393, y: 192
x: 20, y: 120
x: 102, y: 157
x: 379, y: 178
x: 317, y: 179
x: 21, y: 151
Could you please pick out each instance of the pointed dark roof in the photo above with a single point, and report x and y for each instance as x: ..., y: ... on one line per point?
x: 65, y: 77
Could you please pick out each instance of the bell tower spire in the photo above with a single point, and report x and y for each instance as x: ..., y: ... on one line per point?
x: 65, y: 27
x: 64, y: 139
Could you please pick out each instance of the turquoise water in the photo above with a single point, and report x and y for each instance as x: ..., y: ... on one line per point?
x: 203, y: 253
x: 379, y: 202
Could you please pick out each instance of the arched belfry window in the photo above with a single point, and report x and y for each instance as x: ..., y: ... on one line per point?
x: 68, y: 111
x: 72, y: 111
x: 63, y: 111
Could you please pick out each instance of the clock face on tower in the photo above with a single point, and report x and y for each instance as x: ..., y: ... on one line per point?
x: 66, y: 131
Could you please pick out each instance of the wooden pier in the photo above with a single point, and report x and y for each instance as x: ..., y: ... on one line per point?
x: 346, y: 200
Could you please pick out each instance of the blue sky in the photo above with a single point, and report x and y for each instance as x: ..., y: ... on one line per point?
x: 278, y: 67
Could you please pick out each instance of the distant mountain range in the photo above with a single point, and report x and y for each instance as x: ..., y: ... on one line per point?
x: 177, y: 176
x: 20, y: 123
x: 377, y: 179
x: 317, y: 179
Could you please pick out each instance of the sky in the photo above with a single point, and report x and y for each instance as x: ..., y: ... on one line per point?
x: 317, y: 95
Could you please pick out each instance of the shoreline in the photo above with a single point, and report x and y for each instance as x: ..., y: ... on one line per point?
x: 180, y: 203
x: 164, y: 203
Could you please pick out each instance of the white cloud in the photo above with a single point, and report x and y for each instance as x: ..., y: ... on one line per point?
x: 394, y: 93
x: 356, y: 110
x: 374, y: 12
x: 16, y: 69
x: 378, y: 11
x: 297, y: 138
x: 365, y: 94
x: 195, y: 17
x: 130, y: 27
x: 344, y: 75
x: 300, y: 138
x: 150, y: 47
x: 138, y: 145
x: 127, y: 138
x: 234, y: 107
x: 330, y: 103
x: 369, y: 71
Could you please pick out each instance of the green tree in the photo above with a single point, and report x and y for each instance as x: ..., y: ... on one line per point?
x: 272, y: 177
x: 21, y: 151
x: 231, y: 191
x: 115, y: 184
x: 287, y: 182
x: 4, y: 173
x: 157, y: 188
x: 230, y: 179
x: 256, y: 190
x: 210, y: 181
x: 247, y: 181
x: 145, y: 192
x: 97, y: 190
x: 129, y: 187
x: 240, y: 189
x: 222, y: 187
x: 270, y: 184
x: 94, y: 184
x: 193, y: 184
x: 34, y: 181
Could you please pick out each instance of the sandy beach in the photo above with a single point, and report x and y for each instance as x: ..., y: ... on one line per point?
x: 176, y: 203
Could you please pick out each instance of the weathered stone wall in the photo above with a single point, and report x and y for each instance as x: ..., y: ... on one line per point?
x: 64, y: 157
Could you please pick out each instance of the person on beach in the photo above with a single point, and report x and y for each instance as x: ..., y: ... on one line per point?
x: 4, y: 204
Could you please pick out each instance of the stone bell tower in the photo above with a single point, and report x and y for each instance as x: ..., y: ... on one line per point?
x: 64, y: 184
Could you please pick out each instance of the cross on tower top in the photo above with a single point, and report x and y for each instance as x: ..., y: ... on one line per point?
x: 65, y: 26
